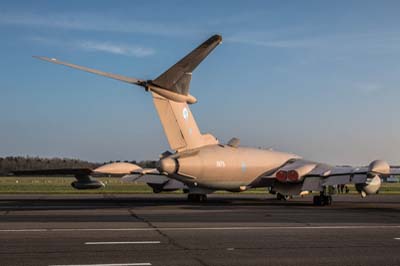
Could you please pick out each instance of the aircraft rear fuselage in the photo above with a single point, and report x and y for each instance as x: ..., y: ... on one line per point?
x: 223, y: 166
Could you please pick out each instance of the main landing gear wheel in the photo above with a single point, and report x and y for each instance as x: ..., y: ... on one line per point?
x: 322, y: 200
x: 197, y: 197
x: 280, y: 196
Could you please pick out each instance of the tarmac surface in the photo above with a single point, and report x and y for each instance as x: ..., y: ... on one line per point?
x: 227, y: 230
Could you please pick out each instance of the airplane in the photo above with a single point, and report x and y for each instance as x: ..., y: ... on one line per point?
x: 199, y: 164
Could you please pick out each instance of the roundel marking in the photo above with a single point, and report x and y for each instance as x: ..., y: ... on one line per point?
x: 185, y: 113
x: 243, y: 167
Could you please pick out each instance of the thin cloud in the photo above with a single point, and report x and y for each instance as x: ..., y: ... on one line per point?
x: 293, y: 37
x: 98, y: 46
x: 369, y: 88
x: 272, y: 43
x: 372, y: 41
x: 115, y: 48
x: 95, y: 22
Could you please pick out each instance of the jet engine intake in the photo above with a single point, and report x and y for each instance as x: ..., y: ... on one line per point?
x: 373, y: 182
x: 167, y: 165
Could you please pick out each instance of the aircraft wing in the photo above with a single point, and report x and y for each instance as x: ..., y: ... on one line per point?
x: 334, y: 175
x: 145, y: 175
x: 82, y: 176
x: 395, y: 170
x: 55, y: 172
x: 119, y: 168
x: 314, y: 176
x: 154, y: 179
x: 129, y: 171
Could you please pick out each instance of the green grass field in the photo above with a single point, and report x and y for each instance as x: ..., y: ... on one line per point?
x: 58, y: 185
x: 61, y: 185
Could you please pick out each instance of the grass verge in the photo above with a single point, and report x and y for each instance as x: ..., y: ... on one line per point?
x: 61, y: 185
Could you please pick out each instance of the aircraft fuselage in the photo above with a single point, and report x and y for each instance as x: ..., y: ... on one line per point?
x: 223, y: 166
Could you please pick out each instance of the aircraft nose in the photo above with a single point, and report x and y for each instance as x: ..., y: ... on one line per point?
x: 167, y: 165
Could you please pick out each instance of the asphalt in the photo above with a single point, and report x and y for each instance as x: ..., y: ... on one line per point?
x: 227, y: 230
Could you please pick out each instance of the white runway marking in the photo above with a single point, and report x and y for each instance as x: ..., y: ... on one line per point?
x: 24, y: 230
x: 122, y: 243
x: 206, y: 228
x: 397, y: 238
x: 113, y: 264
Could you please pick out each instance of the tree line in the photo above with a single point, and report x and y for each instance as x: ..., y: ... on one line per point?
x: 15, y: 163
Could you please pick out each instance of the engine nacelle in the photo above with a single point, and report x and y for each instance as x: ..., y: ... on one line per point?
x: 379, y: 167
x: 373, y: 182
x: 371, y: 186
x: 91, y: 184
x: 294, y: 172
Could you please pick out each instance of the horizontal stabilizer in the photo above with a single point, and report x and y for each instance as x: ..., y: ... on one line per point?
x: 177, y: 78
x: 94, y: 71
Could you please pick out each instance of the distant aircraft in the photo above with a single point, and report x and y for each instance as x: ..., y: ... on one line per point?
x: 200, y: 165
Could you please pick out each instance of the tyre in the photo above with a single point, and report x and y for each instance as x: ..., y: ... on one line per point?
x: 317, y: 201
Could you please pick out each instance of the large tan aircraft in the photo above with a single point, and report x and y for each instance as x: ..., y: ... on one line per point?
x: 200, y: 165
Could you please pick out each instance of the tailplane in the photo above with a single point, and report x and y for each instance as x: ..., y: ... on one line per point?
x: 177, y: 78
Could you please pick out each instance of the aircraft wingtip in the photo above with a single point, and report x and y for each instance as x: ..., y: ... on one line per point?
x: 44, y: 58
x: 218, y: 37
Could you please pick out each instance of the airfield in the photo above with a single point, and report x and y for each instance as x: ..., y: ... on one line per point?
x: 230, y: 229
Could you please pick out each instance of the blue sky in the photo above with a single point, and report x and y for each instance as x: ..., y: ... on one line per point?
x: 317, y: 78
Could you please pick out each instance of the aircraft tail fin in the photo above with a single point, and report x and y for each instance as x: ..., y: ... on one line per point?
x: 171, y: 96
x: 179, y: 125
x: 177, y: 78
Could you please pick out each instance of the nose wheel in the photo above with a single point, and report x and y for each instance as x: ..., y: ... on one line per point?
x: 197, y: 197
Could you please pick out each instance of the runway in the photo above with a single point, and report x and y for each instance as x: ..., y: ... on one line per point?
x: 230, y: 229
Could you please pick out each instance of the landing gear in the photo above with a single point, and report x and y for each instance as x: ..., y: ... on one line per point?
x: 157, y: 190
x: 280, y: 196
x: 322, y: 200
x: 197, y: 197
